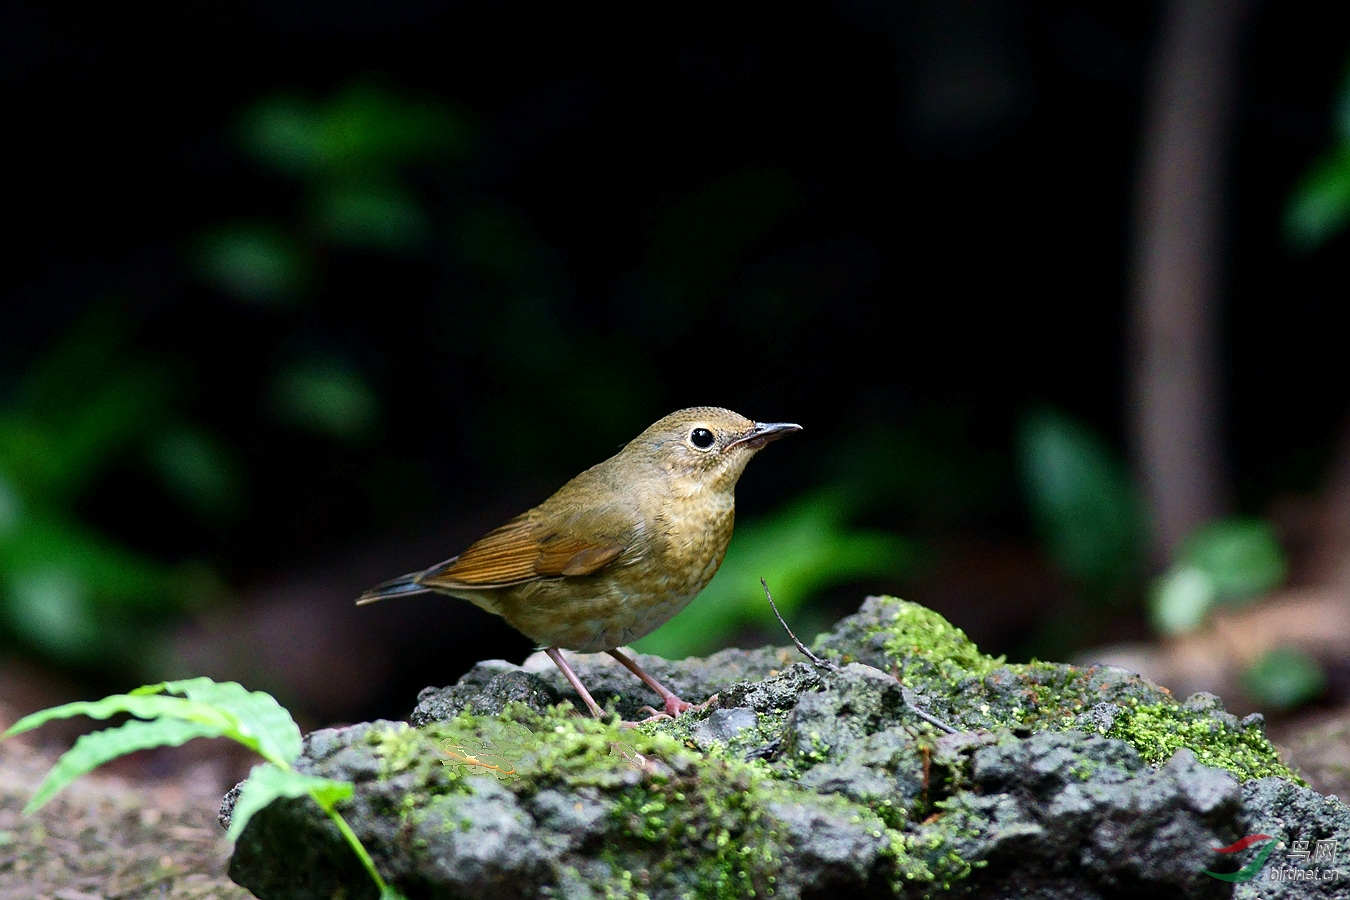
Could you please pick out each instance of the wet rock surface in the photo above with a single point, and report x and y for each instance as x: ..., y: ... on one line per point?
x: 800, y: 782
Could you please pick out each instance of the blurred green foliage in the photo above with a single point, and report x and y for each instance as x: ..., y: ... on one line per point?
x: 257, y: 262
x: 68, y: 592
x: 1084, y: 503
x: 200, y: 470
x: 803, y: 548
x: 74, y: 595
x: 1090, y: 517
x: 1225, y: 563
x: 350, y: 155
x: 362, y: 129
x: 79, y: 597
x: 1320, y: 204
x: 326, y: 396
x: 1284, y: 678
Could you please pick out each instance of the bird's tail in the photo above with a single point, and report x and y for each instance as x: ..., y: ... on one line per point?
x: 403, y: 586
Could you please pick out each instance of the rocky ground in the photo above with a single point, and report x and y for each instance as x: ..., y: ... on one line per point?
x: 109, y: 837
x: 803, y: 781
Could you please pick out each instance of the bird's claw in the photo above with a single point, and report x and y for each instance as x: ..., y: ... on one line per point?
x: 653, y: 715
x: 674, y: 706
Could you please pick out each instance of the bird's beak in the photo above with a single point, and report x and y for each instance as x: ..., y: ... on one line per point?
x: 765, y: 432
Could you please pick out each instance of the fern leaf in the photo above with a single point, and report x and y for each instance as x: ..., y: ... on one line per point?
x: 93, y: 750
x: 261, y: 722
x: 267, y: 782
x: 145, y: 707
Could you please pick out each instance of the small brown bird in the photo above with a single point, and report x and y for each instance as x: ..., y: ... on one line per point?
x: 618, y: 550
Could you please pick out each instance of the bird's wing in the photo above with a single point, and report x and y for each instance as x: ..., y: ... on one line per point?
x: 525, y: 549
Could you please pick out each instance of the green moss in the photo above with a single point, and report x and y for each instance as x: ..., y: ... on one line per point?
x: 915, y: 634
x: 1159, y: 730
x: 399, y: 748
x: 978, y: 692
x: 926, y: 857
x: 709, y: 829
x: 705, y: 815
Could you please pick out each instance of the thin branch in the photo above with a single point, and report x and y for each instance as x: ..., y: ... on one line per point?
x: 816, y: 660
x: 834, y: 667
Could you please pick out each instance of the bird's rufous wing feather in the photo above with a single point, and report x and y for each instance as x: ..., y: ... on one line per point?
x: 524, y: 549
x: 569, y: 556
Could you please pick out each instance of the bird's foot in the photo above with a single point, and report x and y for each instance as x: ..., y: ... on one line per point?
x: 674, y: 706
x: 653, y: 715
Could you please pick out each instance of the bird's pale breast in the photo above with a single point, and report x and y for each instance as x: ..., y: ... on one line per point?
x: 631, y: 598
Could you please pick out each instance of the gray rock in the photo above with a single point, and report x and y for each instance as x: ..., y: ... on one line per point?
x: 722, y: 726
x: 484, y: 696
x: 1061, y: 782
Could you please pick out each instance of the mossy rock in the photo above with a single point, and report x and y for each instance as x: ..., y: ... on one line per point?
x: 797, y: 782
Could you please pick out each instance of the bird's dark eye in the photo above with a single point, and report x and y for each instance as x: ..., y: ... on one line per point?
x: 701, y: 438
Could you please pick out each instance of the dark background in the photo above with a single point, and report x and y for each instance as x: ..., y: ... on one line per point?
x: 905, y: 226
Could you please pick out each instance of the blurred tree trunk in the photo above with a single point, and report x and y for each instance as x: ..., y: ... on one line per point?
x: 1175, y: 402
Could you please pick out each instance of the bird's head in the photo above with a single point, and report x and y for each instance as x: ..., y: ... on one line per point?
x: 705, y: 447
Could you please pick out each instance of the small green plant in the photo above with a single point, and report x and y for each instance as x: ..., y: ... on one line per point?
x: 1228, y: 562
x: 1085, y: 505
x: 172, y: 713
x: 1284, y: 678
x: 1319, y: 207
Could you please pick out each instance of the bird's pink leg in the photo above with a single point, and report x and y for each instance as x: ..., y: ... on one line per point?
x: 556, y: 655
x: 674, y: 705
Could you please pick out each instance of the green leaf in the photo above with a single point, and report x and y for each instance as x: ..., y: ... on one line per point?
x: 26, y: 455
x: 326, y: 396
x: 1082, y: 498
x: 93, y: 750
x: 1182, y: 599
x: 206, y: 709
x: 199, y: 469
x: 50, y: 545
x: 1320, y: 205
x: 257, y: 263
x: 1284, y: 678
x: 79, y: 404
x: 11, y: 507
x: 370, y: 215
x: 259, y: 720
x: 1227, y: 562
x: 118, y: 407
x: 51, y: 609
x: 268, y: 782
x: 362, y: 129
x: 144, y: 707
x: 1241, y: 555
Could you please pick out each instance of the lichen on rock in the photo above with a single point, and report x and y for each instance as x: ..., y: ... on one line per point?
x: 796, y: 782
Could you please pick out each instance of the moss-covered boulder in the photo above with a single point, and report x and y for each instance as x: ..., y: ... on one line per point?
x: 800, y: 781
